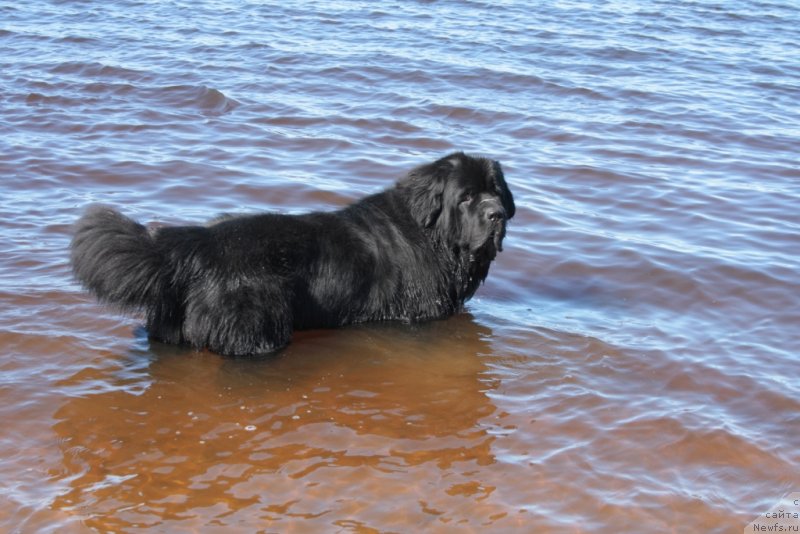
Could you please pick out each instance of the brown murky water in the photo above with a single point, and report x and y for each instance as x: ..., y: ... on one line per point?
x: 631, y: 364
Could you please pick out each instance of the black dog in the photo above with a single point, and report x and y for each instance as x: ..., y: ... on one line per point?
x: 241, y: 284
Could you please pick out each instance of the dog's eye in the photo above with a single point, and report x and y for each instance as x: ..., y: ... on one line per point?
x: 466, y: 197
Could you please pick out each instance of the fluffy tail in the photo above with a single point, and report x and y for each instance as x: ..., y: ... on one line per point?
x: 116, y: 259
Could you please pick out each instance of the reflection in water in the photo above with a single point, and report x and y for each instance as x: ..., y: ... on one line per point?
x: 193, y: 435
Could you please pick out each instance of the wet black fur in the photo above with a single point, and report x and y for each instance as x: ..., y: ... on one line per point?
x: 242, y: 284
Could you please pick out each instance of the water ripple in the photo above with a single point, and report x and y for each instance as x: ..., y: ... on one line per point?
x: 631, y: 358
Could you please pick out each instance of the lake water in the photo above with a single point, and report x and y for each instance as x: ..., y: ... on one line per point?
x: 630, y: 365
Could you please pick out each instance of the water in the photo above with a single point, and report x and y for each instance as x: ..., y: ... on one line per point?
x: 631, y: 363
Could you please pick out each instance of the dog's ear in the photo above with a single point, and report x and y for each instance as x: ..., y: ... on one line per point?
x: 424, y: 189
x: 506, y: 198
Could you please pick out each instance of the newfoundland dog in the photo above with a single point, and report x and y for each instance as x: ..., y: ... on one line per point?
x: 241, y: 284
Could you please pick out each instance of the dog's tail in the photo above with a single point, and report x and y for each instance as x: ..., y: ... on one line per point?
x: 117, y: 259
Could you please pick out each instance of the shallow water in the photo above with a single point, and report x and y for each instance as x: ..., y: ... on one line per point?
x: 631, y: 363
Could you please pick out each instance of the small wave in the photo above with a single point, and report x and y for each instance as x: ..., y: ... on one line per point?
x: 204, y: 99
x: 461, y: 114
x: 77, y: 39
x: 98, y: 70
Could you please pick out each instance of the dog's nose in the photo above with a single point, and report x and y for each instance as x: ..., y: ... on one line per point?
x: 492, y: 210
x: 496, y: 214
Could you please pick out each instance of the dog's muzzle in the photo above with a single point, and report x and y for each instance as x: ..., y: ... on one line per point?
x: 492, y: 211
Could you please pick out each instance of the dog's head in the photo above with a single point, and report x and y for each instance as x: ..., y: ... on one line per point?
x: 465, y: 200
